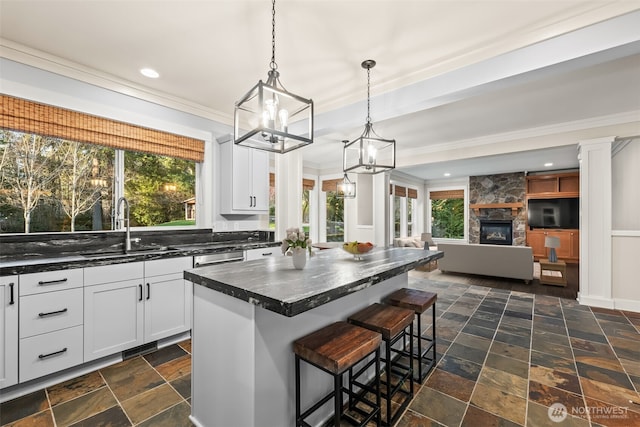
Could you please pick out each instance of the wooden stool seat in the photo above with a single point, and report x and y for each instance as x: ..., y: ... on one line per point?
x: 337, y: 347
x: 413, y: 299
x: 385, y: 319
x: 419, y: 301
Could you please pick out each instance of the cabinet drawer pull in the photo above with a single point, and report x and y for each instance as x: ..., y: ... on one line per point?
x: 55, y: 353
x: 11, y: 301
x: 148, y: 291
x: 51, y: 313
x: 267, y: 254
x: 250, y: 201
x: 52, y: 282
x: 140, y: 299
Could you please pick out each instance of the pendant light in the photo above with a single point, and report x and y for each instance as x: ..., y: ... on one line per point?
x: 346, y: 189
x: 269, y: 117
x: 369, y: 153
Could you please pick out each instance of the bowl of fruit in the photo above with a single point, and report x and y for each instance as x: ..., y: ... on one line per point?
x: 357, y: 249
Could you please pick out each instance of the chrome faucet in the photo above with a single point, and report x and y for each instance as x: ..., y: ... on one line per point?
x: 127, y: 239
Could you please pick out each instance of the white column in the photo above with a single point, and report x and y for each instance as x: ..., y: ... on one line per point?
x: 288, y: 192
x: 595, y: 222
x: 381, y: 214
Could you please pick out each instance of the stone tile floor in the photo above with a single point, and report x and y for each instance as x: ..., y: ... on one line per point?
x: 506, y: 358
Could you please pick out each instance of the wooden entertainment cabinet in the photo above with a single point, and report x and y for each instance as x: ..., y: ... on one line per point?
x: 553, y: 186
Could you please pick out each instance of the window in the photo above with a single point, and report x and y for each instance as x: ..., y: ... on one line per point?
x: 397, y: 216
x: 55, y: 185
x: 334, y: 211
x: 158, y: 189
x: 62, y: 169
x: 447, y: 214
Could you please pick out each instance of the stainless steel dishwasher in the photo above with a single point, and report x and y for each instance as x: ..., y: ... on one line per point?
x: 217, y: 258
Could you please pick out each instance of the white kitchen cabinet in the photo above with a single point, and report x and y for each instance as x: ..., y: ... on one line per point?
x: 248, y: 172
x: 168, y: 298
x: 50, y: 322
x: 8, y: 331
x: 151, y: 302
x: 260, y: 253
x: 113, y: 309
x: 113, y: 319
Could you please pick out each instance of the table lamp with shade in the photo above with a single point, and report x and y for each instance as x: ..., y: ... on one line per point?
x: 552, y: 242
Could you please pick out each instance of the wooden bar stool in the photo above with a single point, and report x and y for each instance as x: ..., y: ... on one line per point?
x: 336, y: 349
x: 419, y: 301
x: 393, y: 323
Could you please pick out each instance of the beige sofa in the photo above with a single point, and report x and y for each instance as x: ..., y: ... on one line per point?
x: 514, y: 262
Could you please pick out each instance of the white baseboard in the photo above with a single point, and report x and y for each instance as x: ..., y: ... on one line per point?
x: 595, y: 301
x: 627, y: 304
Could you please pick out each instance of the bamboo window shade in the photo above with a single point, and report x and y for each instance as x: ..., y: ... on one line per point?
x: 447, y: 194
x: 31, y: 117
x: 330, y: 184
x: 412, y: 193
x: 307, y: 184
x: 400, y: 191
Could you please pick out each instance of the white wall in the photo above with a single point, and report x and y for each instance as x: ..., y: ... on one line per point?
x: 625, y: 239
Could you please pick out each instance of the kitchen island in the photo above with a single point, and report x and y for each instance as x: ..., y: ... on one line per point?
x: 246, y: 317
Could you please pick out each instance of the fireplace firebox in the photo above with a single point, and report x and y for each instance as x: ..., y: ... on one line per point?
x: 496, y: 232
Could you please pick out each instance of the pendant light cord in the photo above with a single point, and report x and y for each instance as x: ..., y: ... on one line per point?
x: 273, y: 64
x: 368, y: 95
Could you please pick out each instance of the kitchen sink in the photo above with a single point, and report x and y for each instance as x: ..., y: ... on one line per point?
x: 120, y: 253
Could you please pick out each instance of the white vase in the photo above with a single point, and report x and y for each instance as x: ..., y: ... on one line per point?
x: 299, y: 259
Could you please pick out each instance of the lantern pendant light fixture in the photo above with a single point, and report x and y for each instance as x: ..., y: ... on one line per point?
x: 269, y: 117
x: 369, y: 153
x: 346, y: 189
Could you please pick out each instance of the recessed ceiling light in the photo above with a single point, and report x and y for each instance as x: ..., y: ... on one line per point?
x: 447, y: 174
x: 548, y: 165
x: 149, y: 72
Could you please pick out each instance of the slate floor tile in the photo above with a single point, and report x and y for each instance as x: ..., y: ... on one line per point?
x: 540, y: 336
x: 414, y: 419
x: 474, y: 341
x: 507, y: 364
x: 467, y: 353
x: 505, y: 381
x: 510, y: 350
x: 451, y: 384
x: 479, y: 331
x: 626, y: 348
x: 460, y: 367
x: 601, y: 413
x: 75, y: 387
x: 85, y: 406
x: 476, y: 417
x: 499, y: 402
x: 175, y: 416
x: 614, y: 395
x: 538, y: 416
x: 546, y: 396
x: 554, y: 378
x: 553, y: 362
x: 604, y: 375
x: 175, y: 368
x: 519, y: 340
x: 112, y: 417
x: 40, y: 419
x: 131, y: 377
x: 22, y: 407
x: 438, y: 406
x: 183, y: 386
x: 151, y: 402
x: 165, y: 355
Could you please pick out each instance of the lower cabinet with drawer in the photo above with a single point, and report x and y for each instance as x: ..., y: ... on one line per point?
x: 8, y: 331
x: 51, y: 322
x: 259, y: 253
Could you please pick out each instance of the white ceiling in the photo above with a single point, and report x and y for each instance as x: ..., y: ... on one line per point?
x: 458, y: 83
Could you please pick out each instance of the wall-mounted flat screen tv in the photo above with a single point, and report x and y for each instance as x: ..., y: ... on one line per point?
x: 554, y: 213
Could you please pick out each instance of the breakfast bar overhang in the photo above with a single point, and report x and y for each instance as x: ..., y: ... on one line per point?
x: 246, y: 316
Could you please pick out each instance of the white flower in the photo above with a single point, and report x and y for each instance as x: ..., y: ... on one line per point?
x: 295, y: 240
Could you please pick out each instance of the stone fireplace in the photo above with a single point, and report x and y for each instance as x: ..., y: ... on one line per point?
x: 496, y: 232
x: 500, y: 198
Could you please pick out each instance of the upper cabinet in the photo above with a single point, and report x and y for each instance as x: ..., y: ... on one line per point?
x: 248, y: 171
x: 553, y: 185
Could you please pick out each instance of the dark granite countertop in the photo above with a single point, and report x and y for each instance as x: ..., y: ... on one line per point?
x: 273, y: 283
x: 35, y: 263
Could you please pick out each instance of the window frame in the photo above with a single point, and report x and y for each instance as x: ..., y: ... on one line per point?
x: 453, y: 185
